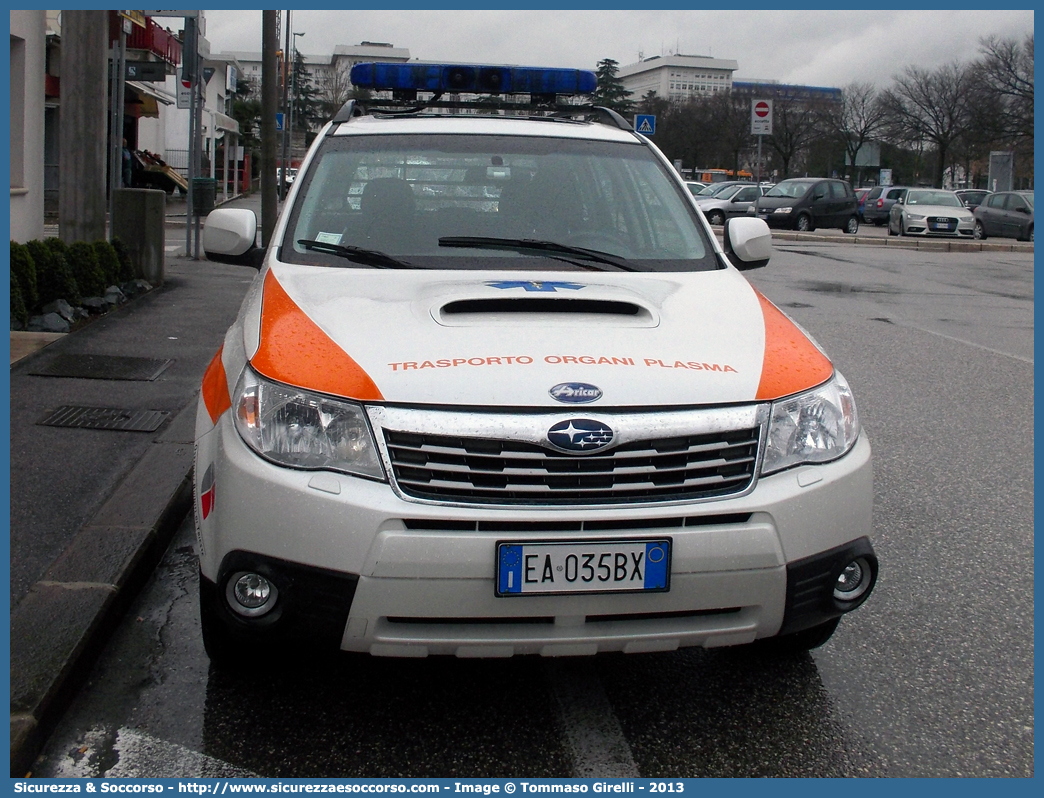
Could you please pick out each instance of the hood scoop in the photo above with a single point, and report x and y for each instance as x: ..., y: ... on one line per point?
x: 543, y: 311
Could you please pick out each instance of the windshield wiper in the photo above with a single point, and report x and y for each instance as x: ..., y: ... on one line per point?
x: 367, y: 257
x: 524, y: 245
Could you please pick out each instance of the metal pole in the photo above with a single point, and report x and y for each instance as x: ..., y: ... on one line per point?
x: 189, y: 74
x: 197, y: 91
x: 114, y: 154
x: 286, y: 114
x: 759, y: 159
x: 269, y: 106
x: 119, y: 85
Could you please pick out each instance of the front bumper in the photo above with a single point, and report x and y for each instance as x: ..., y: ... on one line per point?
x: 362, y: 569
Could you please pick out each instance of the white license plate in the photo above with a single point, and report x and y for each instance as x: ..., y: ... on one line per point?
x: 526, y: 568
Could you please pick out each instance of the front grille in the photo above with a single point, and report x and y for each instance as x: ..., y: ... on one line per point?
x: 484, y: 470
x: 942, y: 224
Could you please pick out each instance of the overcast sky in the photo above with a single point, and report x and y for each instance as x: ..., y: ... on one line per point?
x: 818, y: 48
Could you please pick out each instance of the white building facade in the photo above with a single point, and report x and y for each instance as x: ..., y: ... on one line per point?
x: 28, y: 42
x: 677, y: 77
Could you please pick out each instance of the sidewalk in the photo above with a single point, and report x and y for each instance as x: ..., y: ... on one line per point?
x: 93, y: 501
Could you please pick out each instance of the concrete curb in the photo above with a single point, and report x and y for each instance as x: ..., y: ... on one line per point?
x: 926, y: 244
x: 60, y: 628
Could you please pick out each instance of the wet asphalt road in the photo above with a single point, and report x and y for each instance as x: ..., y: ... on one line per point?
x: 932, y: 677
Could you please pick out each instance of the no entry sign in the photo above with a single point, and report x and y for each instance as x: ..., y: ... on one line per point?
x: 761, y: 117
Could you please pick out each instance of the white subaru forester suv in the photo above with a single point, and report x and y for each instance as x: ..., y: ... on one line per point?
x: 498, y: 390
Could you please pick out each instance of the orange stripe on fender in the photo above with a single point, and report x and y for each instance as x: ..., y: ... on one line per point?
x: 215, y: 388
x: 296, y: 351
x: 792, y: 362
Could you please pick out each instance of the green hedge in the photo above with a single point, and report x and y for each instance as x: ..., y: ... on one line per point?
x: 126, y: 264
x: 109, y: 262
x: 24, y: 271
x: 18, y: 312
x: 83, y: 261
x: 54, y: 279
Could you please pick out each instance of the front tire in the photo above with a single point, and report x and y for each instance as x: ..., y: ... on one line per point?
x: 979, y: 233
x: 217, y: 640
x: 804, y: 223
x: 851, y: 226
x: 716, y: 218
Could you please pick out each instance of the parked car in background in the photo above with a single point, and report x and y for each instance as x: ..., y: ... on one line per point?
x: 805, y: 203
x: 879, y: 202
x: 972, y: 197
x: 1008, y: 214
x: 713, y: 189
x: 733, y: 201
x: 695, y: 186
x: 930, y: 212
x: 861, y: 199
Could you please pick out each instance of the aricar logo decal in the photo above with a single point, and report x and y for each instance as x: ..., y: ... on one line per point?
x: 576, y: 393
x: 535, y: 285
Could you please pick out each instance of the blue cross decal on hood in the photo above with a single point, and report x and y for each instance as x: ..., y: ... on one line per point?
x: 535, y: 285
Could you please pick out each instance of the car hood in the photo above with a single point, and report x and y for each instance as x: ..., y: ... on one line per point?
x: 497, y: 339
x: 778, y: 202
x: 937, y: 210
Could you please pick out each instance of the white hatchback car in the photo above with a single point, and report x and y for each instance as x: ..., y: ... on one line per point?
x: 498, y: 390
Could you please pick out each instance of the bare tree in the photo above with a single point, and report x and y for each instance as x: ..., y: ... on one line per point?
x: 857, y: 120
x: 335, y: 89
x: 795, y: 128
x: 931, y: 107
x: 1006, y: 72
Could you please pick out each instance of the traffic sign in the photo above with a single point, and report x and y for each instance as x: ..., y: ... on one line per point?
x: 279, y: 121
x: 645, y: 124
x: 761, y: 117
x: 145, y: 70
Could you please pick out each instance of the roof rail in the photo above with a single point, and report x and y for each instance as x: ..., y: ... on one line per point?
x: 348, y: 110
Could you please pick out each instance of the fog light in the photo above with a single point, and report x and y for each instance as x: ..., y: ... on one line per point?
x: 250, y: 594
x: 853, y: 581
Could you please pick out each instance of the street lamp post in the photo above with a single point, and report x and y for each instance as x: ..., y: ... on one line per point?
x: 293, y: 97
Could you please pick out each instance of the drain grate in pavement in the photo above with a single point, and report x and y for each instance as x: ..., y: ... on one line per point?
x: 105, y: 418
x: 103, y: 367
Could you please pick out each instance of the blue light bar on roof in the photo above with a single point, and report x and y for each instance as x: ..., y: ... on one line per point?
x: 473, y: 79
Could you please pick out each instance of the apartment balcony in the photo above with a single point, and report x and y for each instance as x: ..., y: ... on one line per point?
x: 152, y: 39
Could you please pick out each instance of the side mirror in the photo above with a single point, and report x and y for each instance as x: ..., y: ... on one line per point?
x: 748, y: 242
x: 1022, y: 209
x: 230, y: 236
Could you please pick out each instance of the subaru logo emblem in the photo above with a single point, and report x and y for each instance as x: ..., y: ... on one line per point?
x: 579, y: 435
x: 575, y: 393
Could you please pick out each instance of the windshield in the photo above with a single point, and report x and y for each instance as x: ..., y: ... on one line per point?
x: 944, y: 198
x: 728, y: 192
x: 790, y: 188
x: 433, y: 201
x: 1028, y: 198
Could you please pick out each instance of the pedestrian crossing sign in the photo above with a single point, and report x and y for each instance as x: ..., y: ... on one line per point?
x: 645, y: 124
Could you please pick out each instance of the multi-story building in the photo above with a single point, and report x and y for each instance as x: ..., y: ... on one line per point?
x: 324, y: 71
x: 678, y: 77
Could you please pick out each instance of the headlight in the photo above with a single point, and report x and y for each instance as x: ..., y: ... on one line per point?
x: 915, y: 217
x: 297, y: 428
x: 783, y: 210
x: 814, y: 427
